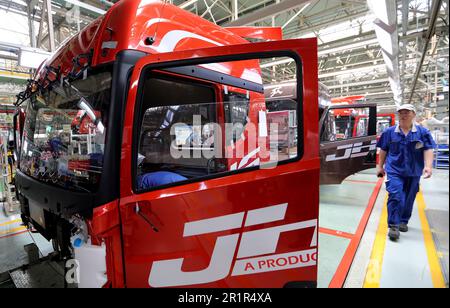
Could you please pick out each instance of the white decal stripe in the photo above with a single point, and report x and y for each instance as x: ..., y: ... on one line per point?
x: 256, y: 162
x: 265, y: 215
x: 345, y: 146
x: 169, y: 272
x: 153, y: 21
x: 172, y: 38
x: 275, y: 262
x: 245, y: 160
x: 233, y: 167
x: 211, y: 225
x: 359, y: 154
x: 265, y: 241
x: 314, y: 238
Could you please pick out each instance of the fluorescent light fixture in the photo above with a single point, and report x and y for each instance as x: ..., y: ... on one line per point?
x: 364, y: 69
x: 327, y: 51
x: 279, y: 62
x: 32, y: 57
x: 347, y: 47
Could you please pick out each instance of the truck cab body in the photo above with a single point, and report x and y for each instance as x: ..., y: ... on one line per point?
x: 384, y: 120
x: 347, y: 141
x: 99, y: 174
x: 347, y: 131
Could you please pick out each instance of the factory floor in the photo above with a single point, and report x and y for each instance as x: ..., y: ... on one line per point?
x: 420, y: 258
x: 354, y: 251
x: 14, y: 236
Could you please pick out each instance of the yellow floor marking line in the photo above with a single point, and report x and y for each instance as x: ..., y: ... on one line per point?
x: 373, y: 275
x: 10, y: 222
x: 13, y: 231
x: 433, y: 260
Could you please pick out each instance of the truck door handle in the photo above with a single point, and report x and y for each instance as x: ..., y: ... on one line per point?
x: 144, y: 216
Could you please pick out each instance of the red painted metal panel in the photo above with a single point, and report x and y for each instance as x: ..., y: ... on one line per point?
x: 170, y: 210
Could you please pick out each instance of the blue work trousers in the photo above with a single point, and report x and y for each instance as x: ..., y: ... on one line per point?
x: 402, y: 194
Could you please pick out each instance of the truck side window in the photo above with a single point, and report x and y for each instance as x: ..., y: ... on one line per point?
x: 345, y: 124
x: 170, y: 108
x: 383, y: 123
x: 196, y: 122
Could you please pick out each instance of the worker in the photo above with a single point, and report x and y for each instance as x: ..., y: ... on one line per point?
x: 406, y: 152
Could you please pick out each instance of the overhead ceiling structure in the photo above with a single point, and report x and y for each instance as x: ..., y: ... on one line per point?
x: 355, y: 56
x: 385, y: 25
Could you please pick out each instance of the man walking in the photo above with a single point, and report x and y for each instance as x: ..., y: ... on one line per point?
x: 406, y: 153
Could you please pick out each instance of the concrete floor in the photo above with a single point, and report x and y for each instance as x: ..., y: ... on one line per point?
x: 13, y: 238
x: 420, y: 258
x: 342, y: 208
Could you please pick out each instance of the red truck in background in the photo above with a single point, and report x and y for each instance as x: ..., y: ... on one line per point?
x: 150, y: 152
x: 384, y: 121
x: 347, y: 131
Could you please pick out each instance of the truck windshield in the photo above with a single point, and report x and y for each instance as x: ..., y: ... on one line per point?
x: 64, y: 133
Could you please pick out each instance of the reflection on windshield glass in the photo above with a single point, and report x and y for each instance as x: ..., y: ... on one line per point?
x: 64, y: 133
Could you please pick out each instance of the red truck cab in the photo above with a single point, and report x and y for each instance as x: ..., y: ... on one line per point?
x: 126, y: 162
x: 384, y: 121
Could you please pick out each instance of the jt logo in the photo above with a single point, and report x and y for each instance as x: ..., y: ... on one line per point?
x: 353, y: 150
x: 253, y: 243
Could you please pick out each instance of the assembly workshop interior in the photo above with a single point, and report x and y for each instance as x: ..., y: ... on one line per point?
x: 224, y: 144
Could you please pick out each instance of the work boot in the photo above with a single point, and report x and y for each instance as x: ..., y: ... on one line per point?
x: 403, y: 228
x: 394, y: 233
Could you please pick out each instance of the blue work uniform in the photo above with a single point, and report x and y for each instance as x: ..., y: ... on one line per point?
x: 404, y: 167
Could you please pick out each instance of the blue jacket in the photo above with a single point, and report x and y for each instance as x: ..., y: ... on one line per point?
x: 405, y: 154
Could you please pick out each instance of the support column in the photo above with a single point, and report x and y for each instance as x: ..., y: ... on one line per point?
x: 51, y: 34
x: 30, y: 14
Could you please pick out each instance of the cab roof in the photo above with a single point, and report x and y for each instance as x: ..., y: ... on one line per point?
x: 133, y: 24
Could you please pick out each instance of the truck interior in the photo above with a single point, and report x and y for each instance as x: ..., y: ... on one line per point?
x: 206, y: 120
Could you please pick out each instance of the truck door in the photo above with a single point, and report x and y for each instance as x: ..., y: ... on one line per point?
x: 209, y: 196
x: 347, y: 141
